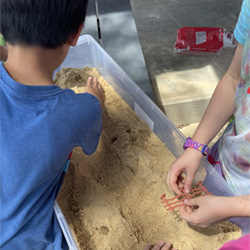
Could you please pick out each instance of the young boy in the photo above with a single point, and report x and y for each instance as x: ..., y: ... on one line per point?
x: 40, y: 123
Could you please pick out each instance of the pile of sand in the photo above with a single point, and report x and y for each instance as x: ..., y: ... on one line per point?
x: 111, y: 199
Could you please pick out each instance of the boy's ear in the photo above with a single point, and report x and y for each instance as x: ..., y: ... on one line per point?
x: 72, y: 40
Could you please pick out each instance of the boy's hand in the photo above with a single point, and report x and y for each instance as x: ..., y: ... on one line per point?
x: 95, y: 88
x: 207, y: 210
x: 188, y: 162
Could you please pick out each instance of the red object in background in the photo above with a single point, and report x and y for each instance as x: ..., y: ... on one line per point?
x: 202, y: 39
x: 177, y: 201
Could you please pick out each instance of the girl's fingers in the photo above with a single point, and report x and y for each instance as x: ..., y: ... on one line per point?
x: 147, y: 247
x: 167, y: 246
x: 159, y: 245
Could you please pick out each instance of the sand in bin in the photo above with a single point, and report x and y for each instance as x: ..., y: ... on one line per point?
x: 111, y: 199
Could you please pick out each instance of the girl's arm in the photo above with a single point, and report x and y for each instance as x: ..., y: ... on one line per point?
x: 221, y: 105
x: 218, y: 112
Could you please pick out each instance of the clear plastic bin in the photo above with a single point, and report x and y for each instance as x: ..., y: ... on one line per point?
x: 65, y: 227
x: 88, y: 53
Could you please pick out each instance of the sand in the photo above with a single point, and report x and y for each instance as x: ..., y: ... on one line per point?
x: 111, y: 199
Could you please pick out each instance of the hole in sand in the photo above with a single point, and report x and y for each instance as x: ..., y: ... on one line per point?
x: 114, y: 139
x: 128, y: 130
x: 104, y: 230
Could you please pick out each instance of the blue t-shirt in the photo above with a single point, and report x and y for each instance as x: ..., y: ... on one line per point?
x: 40, y: 125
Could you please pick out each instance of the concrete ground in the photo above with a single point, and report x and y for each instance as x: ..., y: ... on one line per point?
x: 182, y: 84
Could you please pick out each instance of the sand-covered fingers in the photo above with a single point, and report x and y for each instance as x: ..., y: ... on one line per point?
x: 94, y: 87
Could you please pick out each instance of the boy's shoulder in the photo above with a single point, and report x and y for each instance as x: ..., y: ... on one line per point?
x: 50, y: 98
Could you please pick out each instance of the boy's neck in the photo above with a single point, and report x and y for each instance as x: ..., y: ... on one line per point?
x: 34, y: 65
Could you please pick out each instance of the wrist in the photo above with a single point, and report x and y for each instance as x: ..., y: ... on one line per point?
x: 189, y: 143
x: 236, y: 206
x: 242, y: 206
x: 192, y: 158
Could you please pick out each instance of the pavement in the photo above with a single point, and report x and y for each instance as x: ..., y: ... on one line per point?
x: 140, y: 36
x: 182, y: 84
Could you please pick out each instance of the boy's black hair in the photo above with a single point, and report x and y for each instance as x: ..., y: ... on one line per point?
x: 43, y: 23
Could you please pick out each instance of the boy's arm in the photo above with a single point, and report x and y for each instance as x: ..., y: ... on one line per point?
x: 218, y: 112
x: 210, y: 210
x: 95, y: 88
x: 94, y: 124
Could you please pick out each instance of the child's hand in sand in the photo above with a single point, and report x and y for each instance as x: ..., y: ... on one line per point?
x: 188, y: 162
x: 159, y: 246
x: 95, y: 88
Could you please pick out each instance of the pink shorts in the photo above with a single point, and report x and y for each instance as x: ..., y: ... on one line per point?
x: 243, y: 243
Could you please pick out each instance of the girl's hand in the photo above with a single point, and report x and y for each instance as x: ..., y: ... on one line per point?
x: 206, y: 210
x: 161, y: 245
x: 188, y: 162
